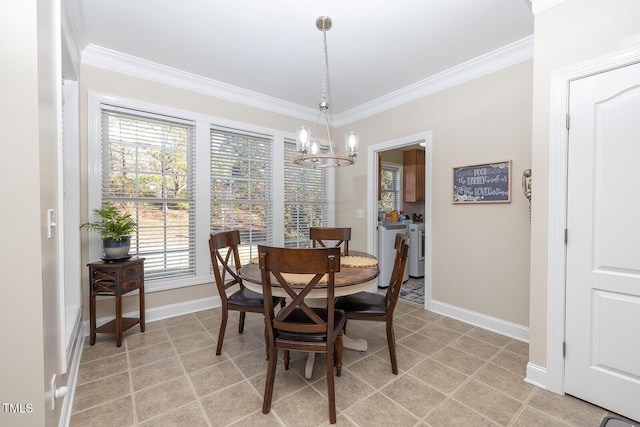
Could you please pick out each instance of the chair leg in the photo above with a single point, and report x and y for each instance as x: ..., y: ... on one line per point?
x: 241, y: 324
x: 331, y: 389
x: 271, y: 376
x: 391, y: 342
x: 286, y: 360
x: 338, y: 348
x: 223, y: 326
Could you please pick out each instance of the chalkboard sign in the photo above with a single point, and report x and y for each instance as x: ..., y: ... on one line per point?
x: 489, y: 183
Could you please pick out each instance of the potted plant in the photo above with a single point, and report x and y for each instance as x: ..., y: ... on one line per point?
x: 115, y: 228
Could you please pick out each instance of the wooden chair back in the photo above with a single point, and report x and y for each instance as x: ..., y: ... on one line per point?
x: 377, y: 307
x: 321, y: 235
x: 278, y: 265
x: 401, y: 246
x: 225, y: 260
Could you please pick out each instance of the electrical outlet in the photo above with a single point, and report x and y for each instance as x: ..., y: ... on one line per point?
x: 360, y: 213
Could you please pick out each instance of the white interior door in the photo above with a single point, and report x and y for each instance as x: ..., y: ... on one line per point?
x: 602, y: 363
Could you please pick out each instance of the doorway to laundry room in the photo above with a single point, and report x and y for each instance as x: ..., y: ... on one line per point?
x: 402, y: 198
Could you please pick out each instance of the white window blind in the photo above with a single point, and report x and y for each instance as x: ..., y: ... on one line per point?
x: 241, y: 187
x: 148, y: 170
x: 306, y: 199
x: 389, y: 189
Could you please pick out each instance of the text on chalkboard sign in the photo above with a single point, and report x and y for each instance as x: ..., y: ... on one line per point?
x: 488, y: 183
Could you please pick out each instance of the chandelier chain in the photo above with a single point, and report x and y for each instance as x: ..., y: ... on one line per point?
x: 310, y: 154
x: 324, y: 68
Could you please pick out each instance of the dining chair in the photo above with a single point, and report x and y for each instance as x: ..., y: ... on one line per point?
x: 321, y: 235
x: 225, y: 259
x: 378, y: 307
x: 298, y: 326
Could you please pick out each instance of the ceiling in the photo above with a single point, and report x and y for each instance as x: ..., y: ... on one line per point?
x: 375, y: 48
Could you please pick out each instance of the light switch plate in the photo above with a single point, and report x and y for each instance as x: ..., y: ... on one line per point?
x: 360, y: 213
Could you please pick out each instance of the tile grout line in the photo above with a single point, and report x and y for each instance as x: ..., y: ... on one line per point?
x: 134, y: 407
x: 198, y: 400
x: 175, y: 354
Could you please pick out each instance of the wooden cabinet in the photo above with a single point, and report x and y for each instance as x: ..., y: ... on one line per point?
x: 413, y: 176
x: 115, y: 279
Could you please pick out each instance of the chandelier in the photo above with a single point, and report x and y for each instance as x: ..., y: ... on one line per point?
x: 309, y: 150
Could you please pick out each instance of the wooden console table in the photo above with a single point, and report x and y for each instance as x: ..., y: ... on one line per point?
x: 115, y: 279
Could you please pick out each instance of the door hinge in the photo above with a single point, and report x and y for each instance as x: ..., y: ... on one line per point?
x: 566, y: 236
x: 564, y: 349
x: 568, y: 120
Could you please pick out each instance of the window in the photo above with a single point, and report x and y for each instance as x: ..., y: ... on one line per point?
x: 306, y: 199
x: 148, y: 171
x: 145, y: 160
x: 390, y: 188
x: 241, y: 196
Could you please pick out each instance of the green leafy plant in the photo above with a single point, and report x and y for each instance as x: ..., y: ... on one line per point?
x: 111, y: 223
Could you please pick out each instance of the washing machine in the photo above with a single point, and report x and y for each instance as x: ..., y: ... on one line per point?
x: 415, y: 261
x: 387, y: 252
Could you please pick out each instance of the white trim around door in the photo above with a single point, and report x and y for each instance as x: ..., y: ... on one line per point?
x: 372, y: 198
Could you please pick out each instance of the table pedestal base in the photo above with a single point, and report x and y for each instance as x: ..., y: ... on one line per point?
x: 357, y: 344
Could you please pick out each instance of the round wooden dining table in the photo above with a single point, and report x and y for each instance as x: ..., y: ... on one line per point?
x: 357, y: 273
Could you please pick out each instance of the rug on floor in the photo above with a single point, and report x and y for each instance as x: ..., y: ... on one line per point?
x: 413, y: 290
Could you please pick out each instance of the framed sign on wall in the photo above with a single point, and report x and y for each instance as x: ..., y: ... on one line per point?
x: 486, y: 183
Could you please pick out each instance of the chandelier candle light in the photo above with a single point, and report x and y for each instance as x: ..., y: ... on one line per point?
x: 309, y: 154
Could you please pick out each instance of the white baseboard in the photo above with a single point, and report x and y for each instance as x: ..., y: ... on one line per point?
x: 502, y: 327
x: 165, y: 311
x: 536, y: 375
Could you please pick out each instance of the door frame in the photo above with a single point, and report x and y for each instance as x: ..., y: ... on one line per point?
x: 558, y: 169
x: 372, y: 198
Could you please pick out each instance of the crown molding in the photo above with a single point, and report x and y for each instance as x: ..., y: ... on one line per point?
x: 538, y: 6
x: 514, y: 53
x: 111, y: 60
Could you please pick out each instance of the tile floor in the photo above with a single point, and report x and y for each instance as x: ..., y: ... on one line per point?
x: 451, y: 374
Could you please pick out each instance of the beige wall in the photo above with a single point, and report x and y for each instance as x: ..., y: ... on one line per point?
x: 572, y: 33
x: 480, y: 252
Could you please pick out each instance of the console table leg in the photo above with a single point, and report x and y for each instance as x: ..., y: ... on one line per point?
x: 118, y: 321
x: 92, y: 320
x: 142, y: 309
